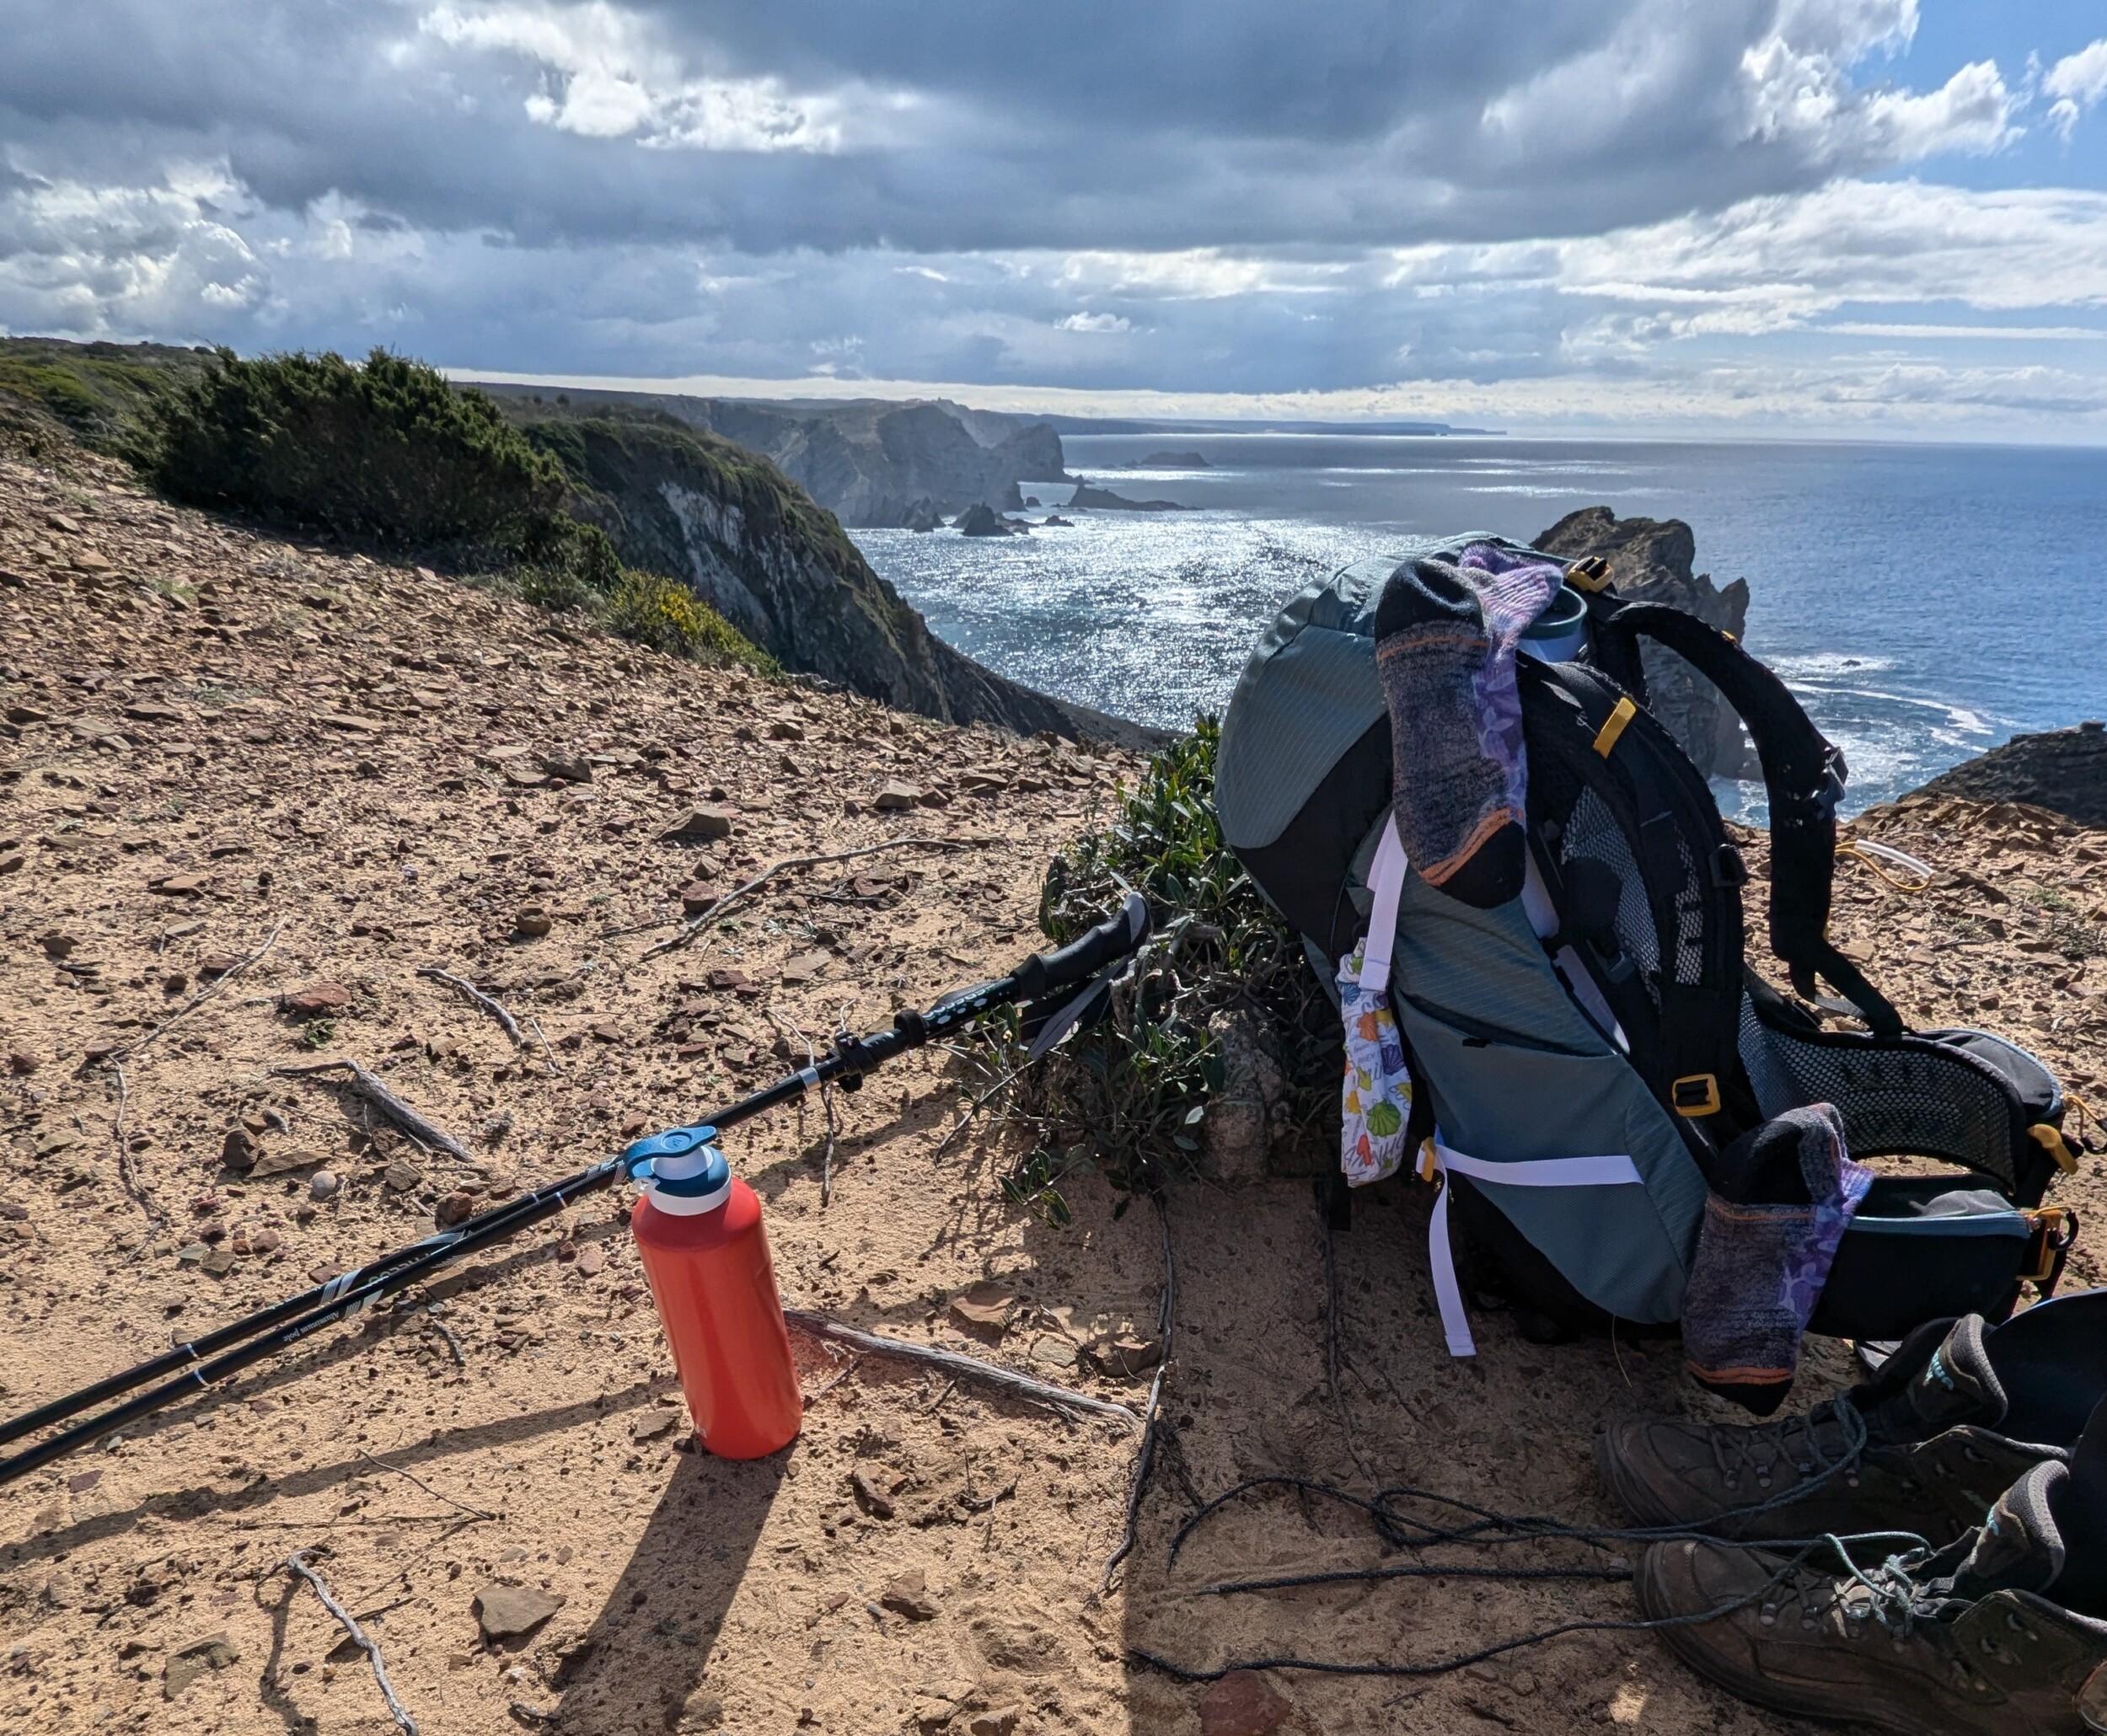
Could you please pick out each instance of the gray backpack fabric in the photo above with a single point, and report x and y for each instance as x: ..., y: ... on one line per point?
x: 1512, y: 1068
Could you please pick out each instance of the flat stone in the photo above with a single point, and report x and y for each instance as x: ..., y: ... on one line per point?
x: 697, y: 898
x: 1243, y: 1703
x: 349, y: 720
x: 591, y: 1261
x: 650, y: 1427
x: 149, y: 711
x: 282, y: 1163
x: 180, y: 885
x: 870, y: 1495
x: 806, y: 966
x: 984, y: 1305
x: 700, y: 825
x: 317, y: 998
x: 906, y: 1595
x: 219, y: 1262
x: 783, y: 730
x: 217, y: 964
x: 507, y: 1611
x: 402, y: 1177
x: 896, y: 796
x: 28, y: 714
x: 194, y: 1660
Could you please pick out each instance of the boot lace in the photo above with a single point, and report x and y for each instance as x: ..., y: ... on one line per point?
x: 1825, y: 1442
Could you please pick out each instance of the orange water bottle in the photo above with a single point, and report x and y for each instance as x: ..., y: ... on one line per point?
x: 705, y: 1256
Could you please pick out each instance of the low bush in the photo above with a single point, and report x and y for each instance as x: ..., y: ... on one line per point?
x: 388, y: 450
x: 1133, y: 1093
x: 669, y: 618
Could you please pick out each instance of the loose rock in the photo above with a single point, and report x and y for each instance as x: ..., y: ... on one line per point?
x: 506, y: 1612
x: 318, y: 998
x: 1243, y: 1703
x: 906, y: 1595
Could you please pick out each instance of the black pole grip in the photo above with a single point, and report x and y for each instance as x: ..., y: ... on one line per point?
x: 1082, y: 958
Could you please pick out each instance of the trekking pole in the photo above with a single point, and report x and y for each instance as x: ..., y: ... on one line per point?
x: 1039, y: 986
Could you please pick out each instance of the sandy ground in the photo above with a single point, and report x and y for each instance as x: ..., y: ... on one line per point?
x: 218, y: 736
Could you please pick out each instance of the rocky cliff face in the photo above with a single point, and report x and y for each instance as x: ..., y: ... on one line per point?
x: 2062, y: 770
x: 1650, y: 559
x: 727, y: 524
x: 870, y: 463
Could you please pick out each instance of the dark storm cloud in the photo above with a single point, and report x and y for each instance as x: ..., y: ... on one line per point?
x: 955, y: 126
x: 1500, y: 205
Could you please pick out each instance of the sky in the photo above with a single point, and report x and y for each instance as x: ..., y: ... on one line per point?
x: 1879, y: 218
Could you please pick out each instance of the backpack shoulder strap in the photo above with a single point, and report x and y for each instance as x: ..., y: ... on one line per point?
x: 1803, y: 773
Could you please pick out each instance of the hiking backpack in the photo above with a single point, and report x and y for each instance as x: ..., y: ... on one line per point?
x: 1577, y: 1075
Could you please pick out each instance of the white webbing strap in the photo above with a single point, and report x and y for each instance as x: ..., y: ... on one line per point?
x: 1385, y: 885
x: 1618, y: 1172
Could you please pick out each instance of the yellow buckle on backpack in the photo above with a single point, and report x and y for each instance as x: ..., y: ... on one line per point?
x: 1696, y: 1094
x: 2057, y: 1147
x: 2052, y: 1225
x: 1591, y: 573
x: 1613, y: 725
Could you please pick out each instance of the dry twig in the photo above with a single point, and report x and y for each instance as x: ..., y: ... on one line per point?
x: 297, y: 1563
x: 783, y: 1023
x: 821, y: 1325
x: 127, y: 1171
x: 542, y: 1037
x: 389, y: 1105
x: 397, y: 1471
x: 462, y: 986
x: 199, y: 998
x: 1144, y: 1456
x: 695, y: 926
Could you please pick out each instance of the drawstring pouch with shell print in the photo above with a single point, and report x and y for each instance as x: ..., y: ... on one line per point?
x: 1376, y: 1101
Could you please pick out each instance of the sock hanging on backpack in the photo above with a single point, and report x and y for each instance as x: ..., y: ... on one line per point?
x: 1764, y: 1255
x: 1445, y: 641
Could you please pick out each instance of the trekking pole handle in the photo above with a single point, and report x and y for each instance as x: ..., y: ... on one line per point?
x: 1083, y: 957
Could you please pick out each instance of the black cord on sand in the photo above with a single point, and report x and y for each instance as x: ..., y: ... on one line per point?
x: 1486, y: 1527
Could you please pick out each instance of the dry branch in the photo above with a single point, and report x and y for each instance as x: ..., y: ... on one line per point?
x: 389, y: 1105
x: 397, y: 1471
x: 199, y: 998
x: 821, y: 1325
x: 297, y: 1563
x: 468, y: 990
x: 691, y: 929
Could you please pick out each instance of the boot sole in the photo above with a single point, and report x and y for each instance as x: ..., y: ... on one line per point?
x: 1655, y: 1604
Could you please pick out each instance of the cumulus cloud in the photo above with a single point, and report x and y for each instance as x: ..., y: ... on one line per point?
x: 2074, y: 83
x: 1511, y: 204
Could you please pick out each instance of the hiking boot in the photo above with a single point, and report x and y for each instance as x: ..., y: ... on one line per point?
x: 1967, y: 1639
x: 1925, y: 1447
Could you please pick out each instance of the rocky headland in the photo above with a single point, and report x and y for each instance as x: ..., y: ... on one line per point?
x: 875, y: 463
x: 1651, y: 560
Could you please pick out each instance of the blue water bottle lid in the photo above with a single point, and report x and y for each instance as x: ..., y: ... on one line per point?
x: 683, y: 1171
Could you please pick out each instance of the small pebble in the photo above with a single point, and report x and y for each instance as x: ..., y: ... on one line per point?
x: 323, y: 1185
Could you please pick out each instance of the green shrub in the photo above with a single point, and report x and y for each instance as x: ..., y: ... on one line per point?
x: 387, y: 449
x: 566, y: 564
x: 669, y: 618
x: 1133, y: 1092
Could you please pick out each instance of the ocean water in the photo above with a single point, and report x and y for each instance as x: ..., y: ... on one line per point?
x: 1925, y: 602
